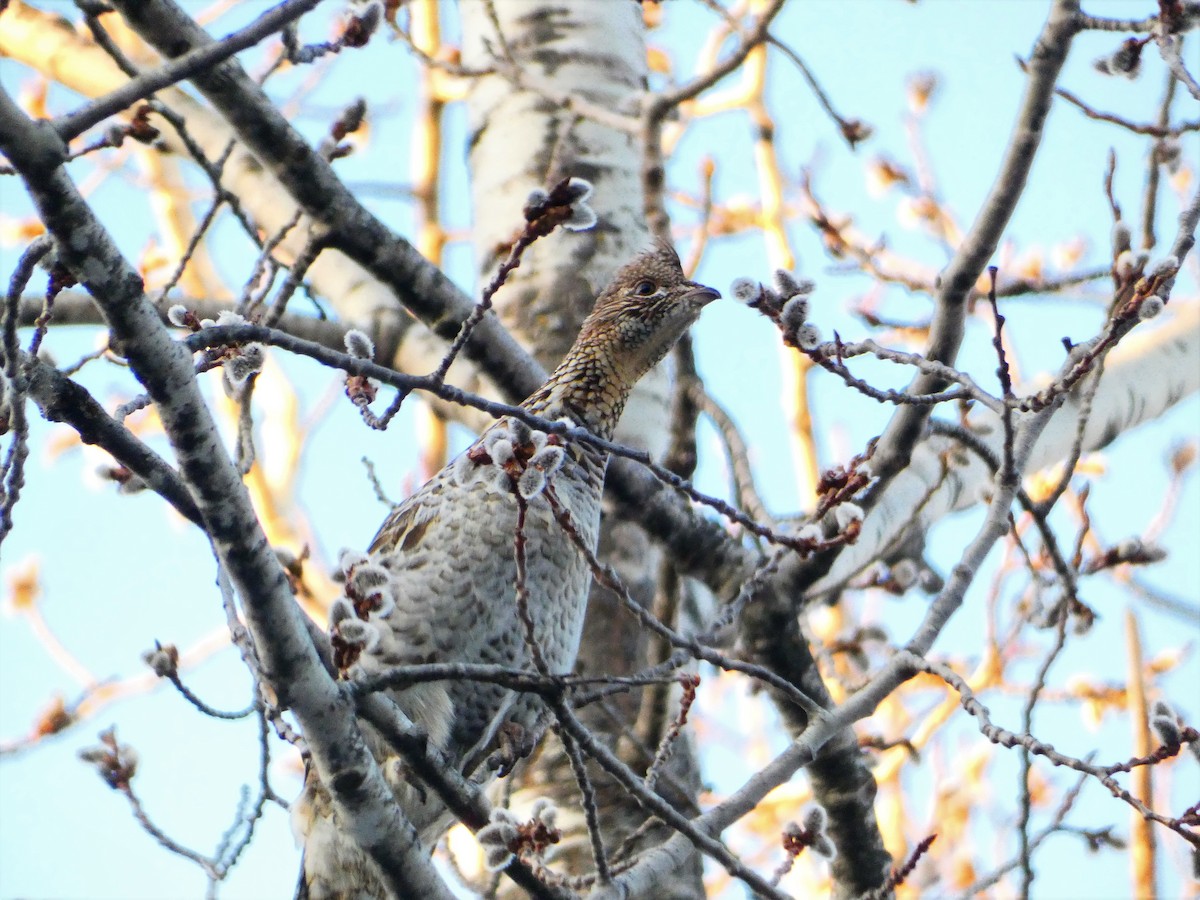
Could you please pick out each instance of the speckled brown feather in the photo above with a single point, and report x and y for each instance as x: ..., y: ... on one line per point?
x: 448, y: 550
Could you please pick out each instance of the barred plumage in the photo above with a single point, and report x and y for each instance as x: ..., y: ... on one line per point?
x: 437, y: 584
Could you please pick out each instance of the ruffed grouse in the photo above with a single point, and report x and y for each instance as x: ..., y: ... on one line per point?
x: 438, y: 583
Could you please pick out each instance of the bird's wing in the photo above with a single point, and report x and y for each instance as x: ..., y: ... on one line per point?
x: 408, y: 522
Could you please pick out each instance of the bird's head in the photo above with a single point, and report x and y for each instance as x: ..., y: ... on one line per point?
x: 644, y: 310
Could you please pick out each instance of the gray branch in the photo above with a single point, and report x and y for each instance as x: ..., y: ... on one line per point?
x: 290, y: 661
x: 185, y: 66
x: 78, y: 308
x: 420, y: 285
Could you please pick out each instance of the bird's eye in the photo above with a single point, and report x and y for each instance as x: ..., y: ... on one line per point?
x: 645, y: 288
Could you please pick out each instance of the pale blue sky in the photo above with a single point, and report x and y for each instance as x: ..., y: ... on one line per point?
x: 119, y: 573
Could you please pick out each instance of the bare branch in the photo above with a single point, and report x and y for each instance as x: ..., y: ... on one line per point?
x: 182, y: 67
x: 287, y: 653
x: 945, y: 334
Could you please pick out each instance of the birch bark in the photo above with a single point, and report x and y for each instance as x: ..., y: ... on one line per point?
x: 522, y: 138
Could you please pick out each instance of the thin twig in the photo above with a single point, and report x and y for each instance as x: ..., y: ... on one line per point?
x: 201, y: 59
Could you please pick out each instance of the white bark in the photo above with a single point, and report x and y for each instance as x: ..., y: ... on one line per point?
x: 550, y: 56
x: 521, y: 139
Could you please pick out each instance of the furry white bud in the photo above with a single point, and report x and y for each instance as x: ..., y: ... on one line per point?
x: 500, y: 430
x: 130, y: 757
x: 1165, y: 723
x: 811, y: 532
x: 501, y: 451
x: 368, y: 576
x: 808, y: 336
x: 814, y: 819
x: 789, y: 286
x: 496, y: 857
x: 744, y: 290
x: 531, y: 483
x: 249, y: 361
x: 1150, y: 307
x: 1169, y: 152
x: 785, y: 284
x: 904, y: 573
x: 359, y: 345
x: 462, y: 469
x: 845, y: 513
x: 930, y: 581
x: 503, y: 816
x: 1127, y: 60
x: 549, y: 459
x: 822, y: 846
x: 131, y: 485
x: 794, y: 313
x: 1162, y: 708
x: 163, y: 659
x: 339, y: 611
x: 582, y: 217
x: 497, y: 837
x: 1146, y: 553
x: 520, y: 433
x: 381, y: 600
x: 229, y: 317
x: 177, y: 315
x: 117, y: 762
x: 115, y: 135
x: 358, y: 633
x: 254, y: 355
x: 349, y: 559
x: 545, y: 812
x: 1164, y: 268
x: 369, y: 14
x: 1122, y: 237
x: 578, y: 189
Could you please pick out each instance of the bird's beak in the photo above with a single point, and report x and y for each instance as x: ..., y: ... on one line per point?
x: 701, y: 295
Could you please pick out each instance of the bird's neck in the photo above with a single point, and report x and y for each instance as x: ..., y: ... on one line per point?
x: 588, y: 387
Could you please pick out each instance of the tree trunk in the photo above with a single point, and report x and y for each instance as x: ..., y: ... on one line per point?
x: 522, y: 139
